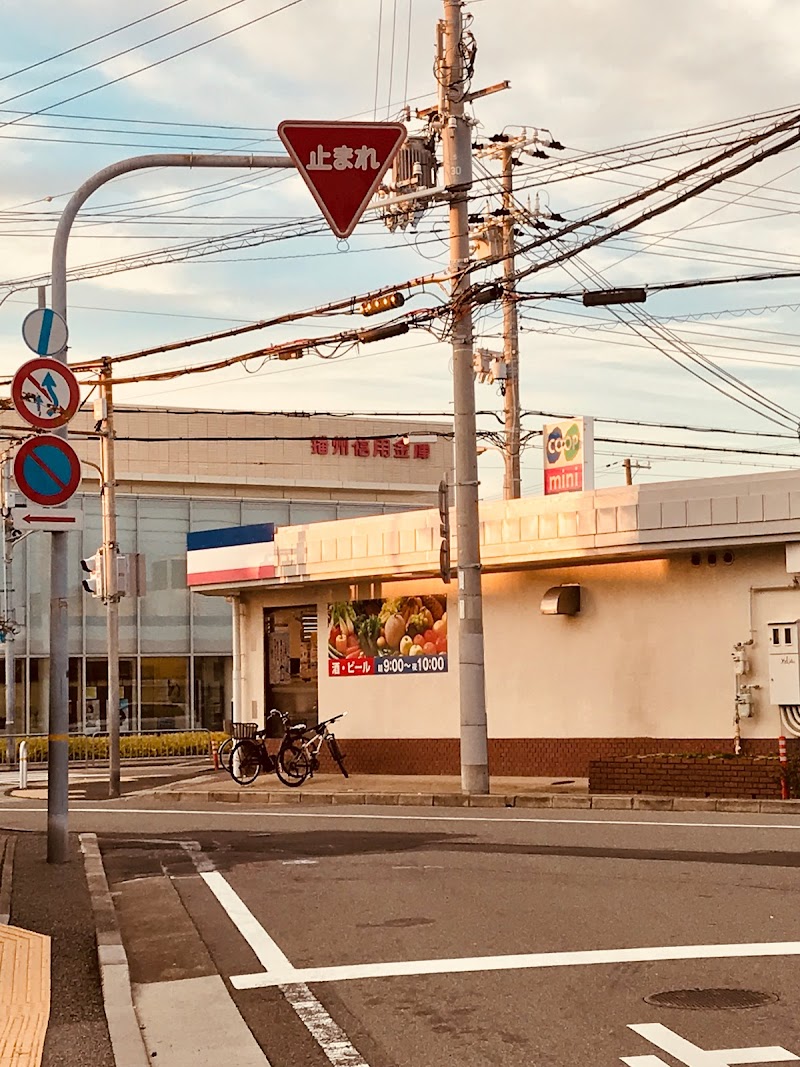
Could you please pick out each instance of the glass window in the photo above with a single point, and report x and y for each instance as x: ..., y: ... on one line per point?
x: 299, y: 514
x: 276, y: 511
x: 163, y: 525
x: 165, y: 693
x: 96, y: 711
x: 39, y: 696
x: 212, y: 691
x: 75, y: 691
x: 19, y: 694
x: 211, y: 624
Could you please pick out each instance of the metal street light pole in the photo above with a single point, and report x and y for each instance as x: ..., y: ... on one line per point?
x: 58, y: 731
x: 457, y: 152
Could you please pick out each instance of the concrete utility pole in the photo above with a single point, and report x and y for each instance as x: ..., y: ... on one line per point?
x: 512, y: 480
x: 457, y: 152
x: 58, y: 739
x: 108, y: 496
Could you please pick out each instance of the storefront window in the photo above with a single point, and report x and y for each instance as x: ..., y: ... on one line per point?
x: 290, y: 657
x: 75, y: 684
x: 165, y: 693
x: 39, y: 682
x: 19, y: 695
x: 212, y: 691
x: 97, y: 696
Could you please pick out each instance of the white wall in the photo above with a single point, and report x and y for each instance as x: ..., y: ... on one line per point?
x: 648, y: 655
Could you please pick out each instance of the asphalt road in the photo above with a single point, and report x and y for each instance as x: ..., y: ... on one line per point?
x: 403, y: 925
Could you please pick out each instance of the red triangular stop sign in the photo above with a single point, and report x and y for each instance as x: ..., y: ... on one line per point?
x: 342, y: 163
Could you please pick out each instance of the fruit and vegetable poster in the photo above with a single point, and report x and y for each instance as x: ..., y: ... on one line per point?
x: 399, y: 635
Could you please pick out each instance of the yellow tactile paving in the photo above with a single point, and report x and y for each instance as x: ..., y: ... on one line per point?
x: 24, y: 996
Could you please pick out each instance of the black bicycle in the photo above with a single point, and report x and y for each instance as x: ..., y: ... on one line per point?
x: 249, y: 755
x: 298, y: 756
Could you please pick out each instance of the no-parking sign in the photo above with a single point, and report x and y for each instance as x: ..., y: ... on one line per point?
x: 47, y: 470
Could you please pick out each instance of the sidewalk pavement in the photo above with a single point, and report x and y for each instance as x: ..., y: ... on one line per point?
x: 54, y: 900
x: 445, y: 791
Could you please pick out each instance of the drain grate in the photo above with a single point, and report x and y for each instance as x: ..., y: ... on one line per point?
x: 718, y: 999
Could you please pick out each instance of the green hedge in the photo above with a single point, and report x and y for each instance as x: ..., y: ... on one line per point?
x: 190, y: 743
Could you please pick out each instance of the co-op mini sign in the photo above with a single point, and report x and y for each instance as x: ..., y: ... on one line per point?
x: 46, y: 395
x: 568, y: 455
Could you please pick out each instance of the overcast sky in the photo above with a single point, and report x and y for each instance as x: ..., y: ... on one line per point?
x: 596, y: 74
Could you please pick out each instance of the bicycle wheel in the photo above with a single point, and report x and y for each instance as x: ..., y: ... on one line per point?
x: 336, y: 752
x: 245, y: 763
x: 293, y: 765
x: 224, y: 753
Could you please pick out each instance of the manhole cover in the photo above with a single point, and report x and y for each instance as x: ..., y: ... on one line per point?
x: 710, y: 998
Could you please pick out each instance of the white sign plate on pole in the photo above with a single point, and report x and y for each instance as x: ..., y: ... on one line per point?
x: 53, y: 520
x: 44, y: 332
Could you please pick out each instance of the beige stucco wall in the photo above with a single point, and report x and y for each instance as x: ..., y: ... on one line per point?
x: 648, y: 655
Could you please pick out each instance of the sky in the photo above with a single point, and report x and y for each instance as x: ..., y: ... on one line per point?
x: 594, y: 76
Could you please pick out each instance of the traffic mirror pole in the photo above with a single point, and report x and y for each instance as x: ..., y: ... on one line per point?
x: 58, y: 729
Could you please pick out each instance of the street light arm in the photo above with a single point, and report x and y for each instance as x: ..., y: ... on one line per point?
x: 127, y: 166
x: 58, y: 727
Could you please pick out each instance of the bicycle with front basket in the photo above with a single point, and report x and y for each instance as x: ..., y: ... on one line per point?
x: 298, y: 756
x: 248, y: 754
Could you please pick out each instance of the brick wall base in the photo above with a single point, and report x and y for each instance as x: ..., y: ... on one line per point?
x: 534, y: 757
x: 750, y: 777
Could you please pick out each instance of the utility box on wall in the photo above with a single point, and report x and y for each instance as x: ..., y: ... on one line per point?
x: 784, y: 663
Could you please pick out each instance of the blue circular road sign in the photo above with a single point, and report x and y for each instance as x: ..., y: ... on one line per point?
x: 47, y: 470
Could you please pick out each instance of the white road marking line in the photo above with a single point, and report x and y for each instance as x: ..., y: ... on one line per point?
x: 99, y: 809
x: 693, y: 1056
x: 267, y: 952
x: 333, y: 1041
x: 532, y: 960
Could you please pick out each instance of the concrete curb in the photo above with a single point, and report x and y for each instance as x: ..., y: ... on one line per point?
x: 613, y: 802
x: 123, y: 1025
x: 6, y: 878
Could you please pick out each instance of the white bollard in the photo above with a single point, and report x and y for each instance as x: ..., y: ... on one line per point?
x: 23, y: 765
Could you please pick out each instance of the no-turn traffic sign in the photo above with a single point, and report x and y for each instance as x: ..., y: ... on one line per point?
x: 45, y: 393
x: 47, y: 470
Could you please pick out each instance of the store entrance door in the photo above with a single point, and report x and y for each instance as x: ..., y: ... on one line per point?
x: 290, y: 658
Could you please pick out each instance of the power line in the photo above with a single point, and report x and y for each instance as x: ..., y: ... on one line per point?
x: 116, y: 55
x: 158, y: 62
x: 85, y: 44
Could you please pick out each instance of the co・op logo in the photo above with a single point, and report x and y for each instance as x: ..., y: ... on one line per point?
x: 563, y: 444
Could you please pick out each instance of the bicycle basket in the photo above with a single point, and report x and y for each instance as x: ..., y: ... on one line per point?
x: 242, y: 730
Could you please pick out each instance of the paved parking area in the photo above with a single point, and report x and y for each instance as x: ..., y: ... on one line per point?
x: 462, y: 941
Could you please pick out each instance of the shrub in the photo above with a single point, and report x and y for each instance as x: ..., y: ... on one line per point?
x: 131, y: 746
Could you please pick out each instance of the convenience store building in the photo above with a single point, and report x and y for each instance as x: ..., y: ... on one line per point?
x: 611, y: 621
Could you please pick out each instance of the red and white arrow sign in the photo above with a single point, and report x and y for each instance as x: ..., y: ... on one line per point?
x: 342, y: 163
x: 26, y: 518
